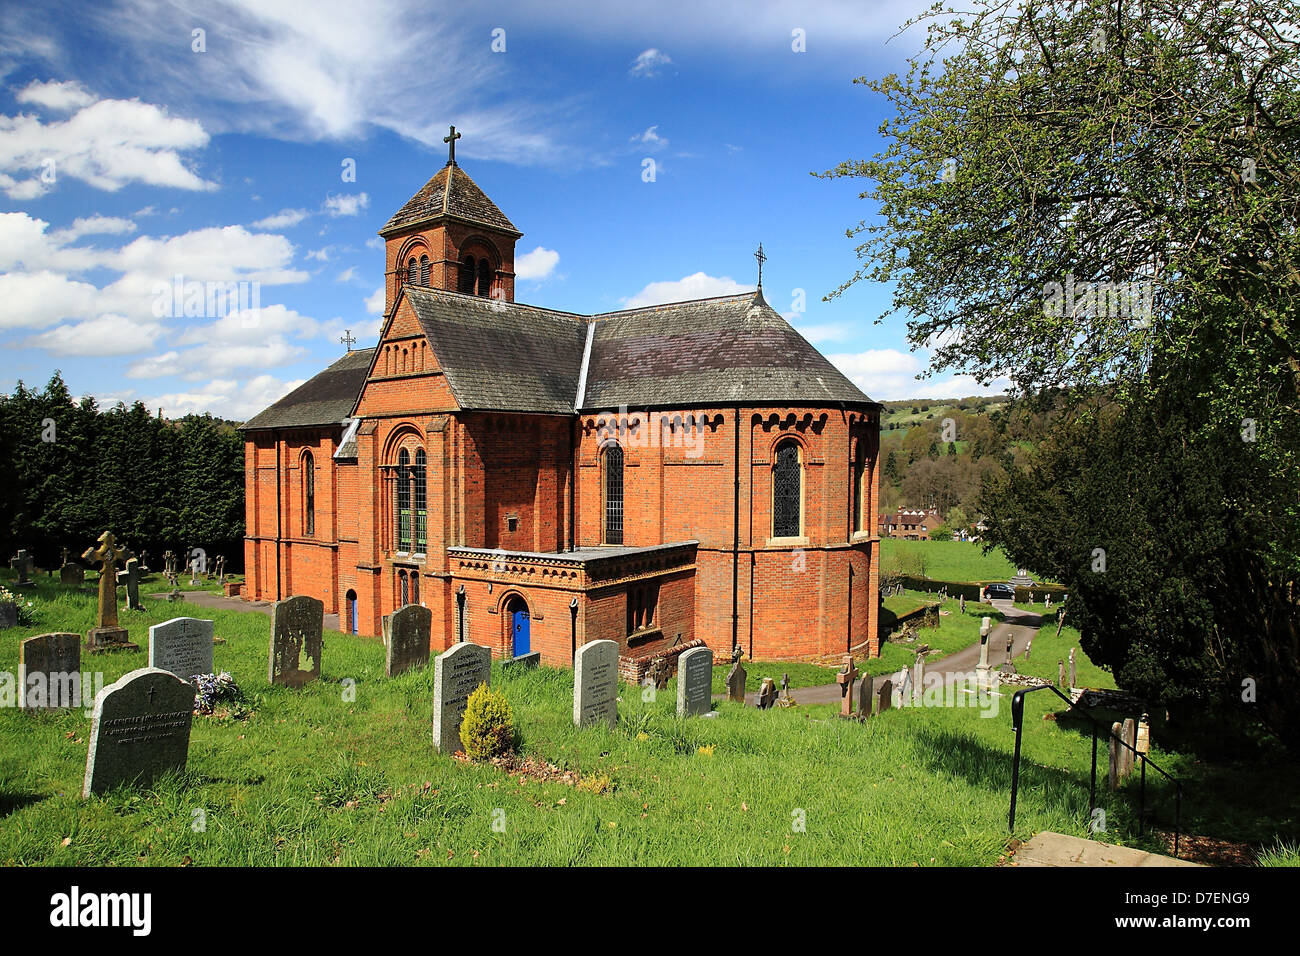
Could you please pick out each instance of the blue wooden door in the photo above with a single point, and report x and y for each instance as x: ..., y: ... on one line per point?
x: 520, y: 621
x: 352, y: 610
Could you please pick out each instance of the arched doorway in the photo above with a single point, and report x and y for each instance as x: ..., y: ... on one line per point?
x: 350, y: 608
x: 518, y: 621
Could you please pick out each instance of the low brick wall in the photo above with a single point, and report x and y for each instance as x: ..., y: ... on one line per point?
x: 633, y: 670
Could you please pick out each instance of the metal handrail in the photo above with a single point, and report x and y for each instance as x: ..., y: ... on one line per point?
x: 1018, y: 718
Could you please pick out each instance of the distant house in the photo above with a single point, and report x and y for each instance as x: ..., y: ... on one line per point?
x: 914, y: 524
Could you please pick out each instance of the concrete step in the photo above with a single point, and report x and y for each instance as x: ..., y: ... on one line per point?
x: 1057, y: 849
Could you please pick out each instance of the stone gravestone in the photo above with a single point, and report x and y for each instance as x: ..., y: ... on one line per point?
x: 982, y: 668
x: 406, y: 636
x: 141, y: 729
x: 133, y: 586
x: 49, y: 668
x: 107, y: 634
x: 845, y: 678
x: 903, y: 688
x: 182, y: 646
x: 736, y: 678
x: 918, y: 679
x: 457, y: 673
x: 694, y: 682
x: 8, y: 614
x: 221, y: 568
x: 1144, y: 735
x: 866, y: 696
x: 766, y: 693
x: 885, y: 695
x: 22, y: 563
x: 69, y: 573
x: 1074, y: 675
x: 1116, y: 763
x: 1128, y: 733
x: 296, y: 631
x: 1060, y: 673
x: 595, y: 683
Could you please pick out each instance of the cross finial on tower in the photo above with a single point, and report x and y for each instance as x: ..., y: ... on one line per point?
x: 761, y: 259
x: 450, y: 140
x: 348, y: 339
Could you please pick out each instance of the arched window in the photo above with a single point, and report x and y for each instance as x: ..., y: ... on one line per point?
x: 403, y: 501
x: 308, y: 494
x: 484, y: 277
x: 415, y: 587
x: 424, y: 270
x: 421, y: 509
x: 787, y: 490
x: 411, y: 274
x: 467, y: 276
x: 403, y: 589
x: 613, y: 494
x: 861, y: 498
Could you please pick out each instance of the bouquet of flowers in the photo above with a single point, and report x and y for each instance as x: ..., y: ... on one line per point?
x: 219, y: 695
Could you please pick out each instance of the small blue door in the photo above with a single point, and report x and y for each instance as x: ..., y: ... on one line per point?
x: 519, y: 620
x: 354, y: 615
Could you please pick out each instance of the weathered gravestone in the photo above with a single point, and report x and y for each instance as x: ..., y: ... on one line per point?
x: 8, y: 614
x: 736, y: 677
x: 866, y: 695
x: 766, y: 693
x: 296, y: 632
x: 182, y: 646
x: 49, y: 672
x: 918, y: 679
x: 133, y: 585
x: 885, y: 695
x: 595, y: 683
x: 406, y: 639
x: 107, y: 634
x: 69, y: 573
x: 845, y: 678
x: 1074, y: 673
x: 694, y: 681
x: 457, y: 673
x: 140, y: 730
x: 22, y: 563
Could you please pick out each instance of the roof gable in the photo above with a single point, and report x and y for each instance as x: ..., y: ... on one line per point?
x: 324, y: 399
x: 451, y: 194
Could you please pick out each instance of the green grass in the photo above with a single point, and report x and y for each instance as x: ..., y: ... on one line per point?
x: 801, y: 675
x: 314, y: 779
x: 963, y: 561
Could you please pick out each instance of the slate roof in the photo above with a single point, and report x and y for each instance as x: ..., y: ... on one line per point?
x: 722, y: 350
x: 502, y: 355
x: 453, y: 194
x: 325, y: 399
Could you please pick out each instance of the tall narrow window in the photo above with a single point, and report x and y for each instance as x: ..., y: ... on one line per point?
x: 411, y: 274
x: 421, y: 509
x: 403, y: 589
x: 415, y: 587
x: 484, y: 277
x: 403, y: 501
x: 787, y: 490
x: 468, y: 275
x: 308, y: 494
x: 424, y: 270
x: 860, y: 495
x: 613, y: 495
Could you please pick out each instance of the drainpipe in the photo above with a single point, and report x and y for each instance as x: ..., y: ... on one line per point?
x: 573, y: 630
x: 735, y: 539
x: 279, y: 596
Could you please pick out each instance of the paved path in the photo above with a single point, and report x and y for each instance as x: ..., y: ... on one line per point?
x: 1057, y: 849
x: 221, y: 602
x: 1020, y: 625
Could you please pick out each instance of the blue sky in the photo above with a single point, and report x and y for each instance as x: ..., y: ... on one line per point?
x: 129, y: 156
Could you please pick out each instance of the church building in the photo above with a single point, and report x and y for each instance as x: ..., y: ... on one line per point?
x: 656, y: 476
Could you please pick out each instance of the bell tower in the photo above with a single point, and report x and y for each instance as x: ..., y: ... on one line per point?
x: 450, y: 235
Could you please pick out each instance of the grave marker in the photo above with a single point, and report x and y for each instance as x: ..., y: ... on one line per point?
x: 406, y: 639
x: 182, y: 646
x: 22, y: 563
x: 595, y: 683
x: 694, y: 681
x: 766, y: 693
x: 1074, y: 675
x: 866, y: 697
x: 141, y: 729
x: 885, y: 695
x: 49, y: 672
x: 8, y: 614
x: 107, y: 634
x: 845, y: 678
x: 295, y: 631
x: 457, y: 673
x: 133, y: 585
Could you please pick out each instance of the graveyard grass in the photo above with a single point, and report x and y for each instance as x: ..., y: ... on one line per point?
x: 315, y: 779
x: 947, y: 560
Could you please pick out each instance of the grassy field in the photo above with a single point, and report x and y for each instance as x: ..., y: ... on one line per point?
x: 963, y: 561
x: 315, y: 778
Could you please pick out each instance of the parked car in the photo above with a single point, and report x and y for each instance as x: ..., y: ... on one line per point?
x: 999, y: 592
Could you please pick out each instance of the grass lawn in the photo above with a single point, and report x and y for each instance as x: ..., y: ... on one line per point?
x: 315, y: 778
x: 963, y: 561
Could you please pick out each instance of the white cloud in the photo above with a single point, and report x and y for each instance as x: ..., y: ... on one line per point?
x: 346, y: 204
x: 375, y: 301
x: 650, y: 139
x: 234, y: 399
x: 284, y: 219
x: 347, y: 275
x: 107, y: 144
x: 34, y: 300
x: 537, y: 264
x: 697, y: 286
x: 105, y: 335
x: 53, y: 95
x: 249, y: 327
x: 323, y: 254
x: 648, y: 63
x: 888, y: 375
x: 93, y: 226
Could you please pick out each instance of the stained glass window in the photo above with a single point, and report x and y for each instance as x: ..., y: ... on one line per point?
x: 787, y: 493
x: 421, y: 509
x: 613, y: 495
x: 309, y: 494
x: 403, y: 501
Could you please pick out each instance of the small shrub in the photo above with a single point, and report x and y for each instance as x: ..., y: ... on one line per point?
x: 488, y: 727
x: 599, y: 783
